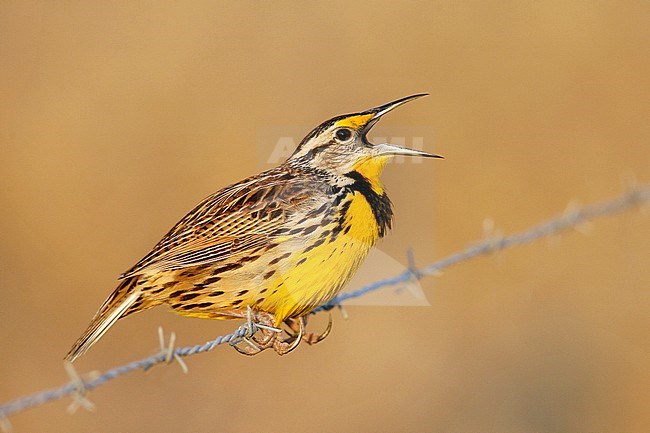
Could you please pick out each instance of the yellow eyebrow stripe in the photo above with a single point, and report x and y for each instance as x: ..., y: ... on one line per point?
x: 355, y: 121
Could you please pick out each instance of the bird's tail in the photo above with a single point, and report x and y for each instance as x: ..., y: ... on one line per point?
x: 116, y: 306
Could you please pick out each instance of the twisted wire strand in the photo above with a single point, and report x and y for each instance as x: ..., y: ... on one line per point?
x: 573, y: 218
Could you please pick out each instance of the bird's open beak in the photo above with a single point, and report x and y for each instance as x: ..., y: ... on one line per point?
x: 386, y: 149
x: 394, y: 149
x: 383, y: 109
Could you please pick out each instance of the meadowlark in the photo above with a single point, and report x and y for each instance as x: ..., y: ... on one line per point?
x: 274, y: 246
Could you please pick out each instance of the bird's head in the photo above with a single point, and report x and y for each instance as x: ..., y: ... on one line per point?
x: 340, y: 145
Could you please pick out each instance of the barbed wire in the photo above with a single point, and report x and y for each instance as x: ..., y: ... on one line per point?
x: 574, y: 217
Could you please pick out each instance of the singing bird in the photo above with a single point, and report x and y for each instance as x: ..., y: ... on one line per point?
x: 273, y: 246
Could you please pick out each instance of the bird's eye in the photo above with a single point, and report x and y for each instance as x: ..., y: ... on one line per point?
x: 343, y: 134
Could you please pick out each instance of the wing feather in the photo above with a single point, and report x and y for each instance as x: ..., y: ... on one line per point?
x: 233, y: 221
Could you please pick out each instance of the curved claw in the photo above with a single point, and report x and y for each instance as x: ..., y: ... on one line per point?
x: 293, y: 329
x: 283, y: 347
x: 312, y: 338
x: 252, y: 348
x: 298, y: 337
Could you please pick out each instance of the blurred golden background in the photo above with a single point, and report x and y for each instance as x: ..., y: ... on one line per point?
x: 117, y: 117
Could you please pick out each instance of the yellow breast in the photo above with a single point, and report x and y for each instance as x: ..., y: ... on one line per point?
x: 322, y: 264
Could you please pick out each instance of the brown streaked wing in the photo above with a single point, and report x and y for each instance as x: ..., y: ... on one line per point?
x: 232, y: 221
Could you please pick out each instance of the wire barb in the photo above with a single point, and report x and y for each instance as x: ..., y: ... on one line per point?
x: 344, y: 312
x: 416, y: 275
x: 168, y: 349
x: 79, y: 398
x: 636, y: 197
x: 493, y: 238
x: 412, y: 267
x: 573, y: 215
x: 5, y: 424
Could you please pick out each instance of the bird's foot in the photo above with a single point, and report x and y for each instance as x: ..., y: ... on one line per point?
x: 260, y: 334
x: 295, y: 334
x: 297, y: 326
